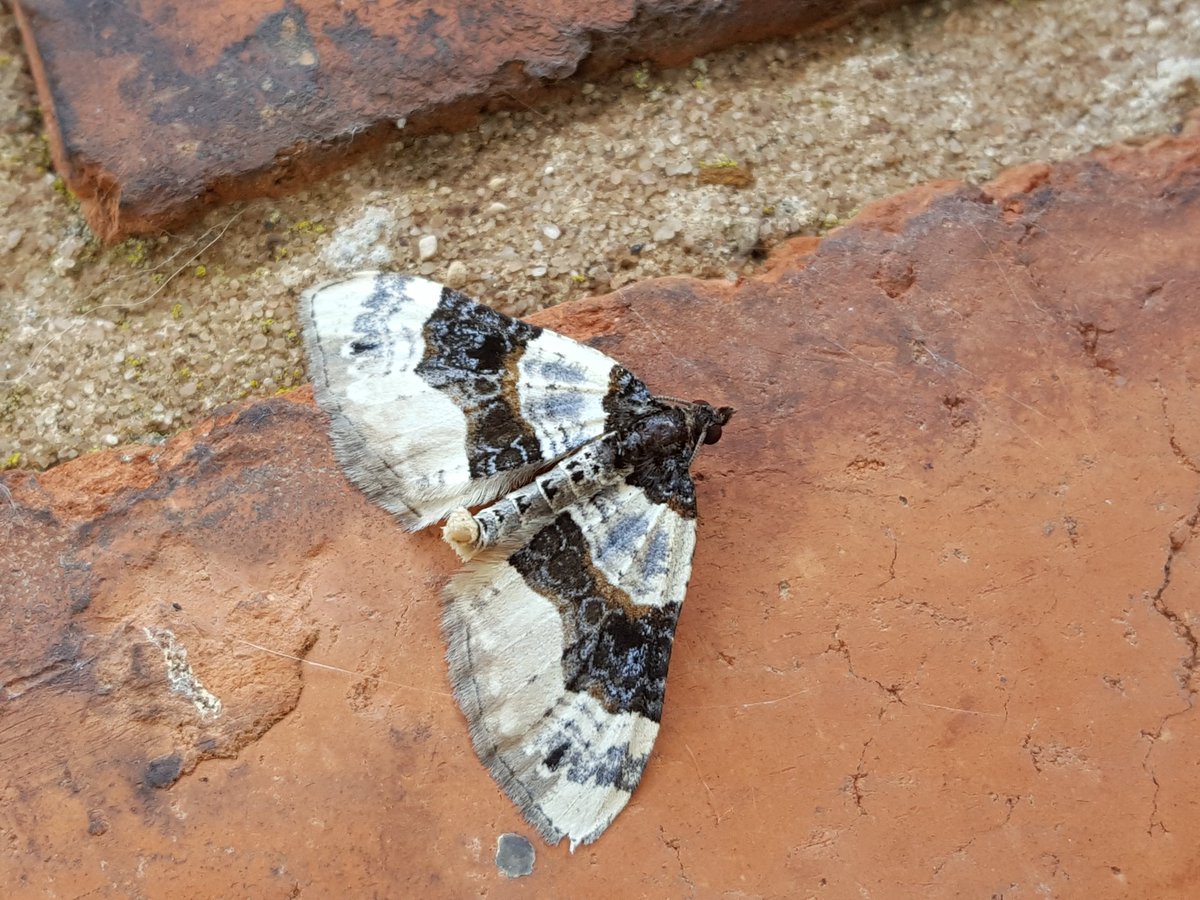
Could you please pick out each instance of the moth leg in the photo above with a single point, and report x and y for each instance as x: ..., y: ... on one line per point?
x: 576, y: 478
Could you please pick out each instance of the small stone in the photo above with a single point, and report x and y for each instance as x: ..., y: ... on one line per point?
x: 515, y: 856
x: 456, y: 274
x: 552, y: 231
x: 365, y: 243
x: 427, y: 246
x: 665, y: 231
x: 10, y: 239
x: 258, y: 342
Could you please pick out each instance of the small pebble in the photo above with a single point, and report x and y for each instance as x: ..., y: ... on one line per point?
x: 456, y: 274
x: 515, y: 856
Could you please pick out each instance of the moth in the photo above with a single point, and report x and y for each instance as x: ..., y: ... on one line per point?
x: 561, y: 623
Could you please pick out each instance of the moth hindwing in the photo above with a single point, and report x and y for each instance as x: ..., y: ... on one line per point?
x: 560, y: 625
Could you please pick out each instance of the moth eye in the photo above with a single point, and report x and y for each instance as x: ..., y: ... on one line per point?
x: 712, y: 434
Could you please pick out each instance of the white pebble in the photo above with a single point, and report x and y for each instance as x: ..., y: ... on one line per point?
x: 427, y: 246
x: 456, y: 274
x: 552, y: 231
x: 664, y: 232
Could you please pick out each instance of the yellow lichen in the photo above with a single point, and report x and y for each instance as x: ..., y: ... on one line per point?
x: 308, y: 226
x: 135, y: 252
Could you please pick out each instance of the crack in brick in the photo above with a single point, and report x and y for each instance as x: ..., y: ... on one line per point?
x: 1011, y: 801
x: 1155, y: 821
x: 859, y: 775
x: 1180, y: 534
x: 840, y: 647
x: 1179, y: 537
x: 1180, y: 454
x: 891, y: 576
x: 673, y: 845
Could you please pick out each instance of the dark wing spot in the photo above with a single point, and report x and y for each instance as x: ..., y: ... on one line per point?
x: 554, y: 757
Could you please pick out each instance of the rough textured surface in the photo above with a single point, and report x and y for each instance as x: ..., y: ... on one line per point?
x: 228, y: 100
x: 104, y: 346
x: 940, y: 636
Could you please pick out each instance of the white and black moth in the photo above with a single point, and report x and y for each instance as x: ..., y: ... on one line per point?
x: 560, y: 625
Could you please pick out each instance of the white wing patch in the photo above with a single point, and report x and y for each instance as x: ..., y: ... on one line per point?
x: 642, y: 546
x: 563, y: 386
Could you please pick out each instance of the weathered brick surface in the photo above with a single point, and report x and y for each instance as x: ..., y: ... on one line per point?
x: 939, y: 639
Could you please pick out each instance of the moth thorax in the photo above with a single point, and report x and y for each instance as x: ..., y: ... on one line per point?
x: 656, y: 435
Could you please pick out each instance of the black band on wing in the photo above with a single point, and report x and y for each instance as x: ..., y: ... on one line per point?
x: 614, y: 650
x: 471, y: 355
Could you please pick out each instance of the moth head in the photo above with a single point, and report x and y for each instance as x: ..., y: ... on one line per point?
x: 716, y: 419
